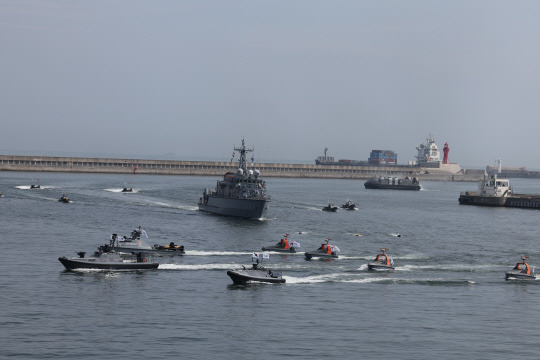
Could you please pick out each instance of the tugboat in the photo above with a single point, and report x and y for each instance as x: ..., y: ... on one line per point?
x: 493, y: 191
x: 64, y: 198
x: 393, y: 183
x: 325, y: 251
x: 382, y: 262
x: 108, y: 261
x: 255, y: 274
x: 283, y: 246
x: 134, y: 244
x: 521, y: 271
x: 349, y: 205
x: 330, y: 207
x: 241, y: 194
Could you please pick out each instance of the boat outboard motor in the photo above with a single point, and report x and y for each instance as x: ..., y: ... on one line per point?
x: 81, y: 254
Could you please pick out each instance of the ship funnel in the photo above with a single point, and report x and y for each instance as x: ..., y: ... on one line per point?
x: 240, y: 172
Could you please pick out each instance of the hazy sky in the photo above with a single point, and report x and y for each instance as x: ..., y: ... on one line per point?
x: 191, y: 78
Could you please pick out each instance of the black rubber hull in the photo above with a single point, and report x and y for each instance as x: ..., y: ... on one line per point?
x: 379, y: 266
x: 242, y: 208
x: 317, y: 254
x: 279, y: 249
x: 154, y: 251
x: 248, y: 275
x: 511, y: 275
x: 73, y: 264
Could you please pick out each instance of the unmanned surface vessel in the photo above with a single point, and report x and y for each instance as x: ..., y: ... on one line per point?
x: 64, y: 198
x: 135, y: 243
x: 241, y: 194
x: 325, y: 251
x: 108, y: 261
x: 521, y: 271
x: 330, y: 207
x: 382, y: 262
x: 349, y: 205
x: 256, y: 273
x: 283, y: 246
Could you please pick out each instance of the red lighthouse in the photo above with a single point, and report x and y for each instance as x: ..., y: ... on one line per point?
x: 445, y: 150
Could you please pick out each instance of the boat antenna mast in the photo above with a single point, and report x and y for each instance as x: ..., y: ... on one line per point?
x: 242, y: 158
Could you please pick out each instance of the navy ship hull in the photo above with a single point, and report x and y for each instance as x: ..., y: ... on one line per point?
x: 242, y: 208
x: 370, y: 185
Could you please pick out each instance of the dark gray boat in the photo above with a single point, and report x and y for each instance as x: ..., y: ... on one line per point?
x: 382, y: 262
x: 325, y: 251
x: 330, y: 207
x: 392, y: 183
x: 283, y: 246
x: 349, y: 205
x: 255, y: 274
x: 241, y: 194
x: 108, y: 261
x: 522, y: 271
x: 135, y: 244
x: 64, y: 199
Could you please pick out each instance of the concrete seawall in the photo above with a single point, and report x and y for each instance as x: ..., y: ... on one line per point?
x: 214, y: 168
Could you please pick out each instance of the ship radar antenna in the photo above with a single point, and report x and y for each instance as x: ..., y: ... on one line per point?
x: 242, y: 158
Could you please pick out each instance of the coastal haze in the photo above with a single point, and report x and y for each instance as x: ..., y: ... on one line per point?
x: 187, y: 80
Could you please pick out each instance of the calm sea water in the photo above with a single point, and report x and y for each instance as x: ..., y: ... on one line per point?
x: 447, y: 297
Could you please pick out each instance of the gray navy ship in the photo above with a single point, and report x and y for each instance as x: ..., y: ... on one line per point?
x: 241, y: 194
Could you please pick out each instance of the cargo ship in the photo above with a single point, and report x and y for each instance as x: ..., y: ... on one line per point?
x: 382, y: 157
x: 392, y: 183
x: 376, y: 157
x: 428, y: 152
x: 497, y: 192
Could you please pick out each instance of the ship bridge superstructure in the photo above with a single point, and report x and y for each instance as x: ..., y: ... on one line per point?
x: 428, y: 152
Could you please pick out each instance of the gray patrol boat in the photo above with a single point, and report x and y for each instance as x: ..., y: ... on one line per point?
x: 241, y: 194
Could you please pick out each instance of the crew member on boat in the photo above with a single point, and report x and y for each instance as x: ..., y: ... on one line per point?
x: 526, y: 269
x: 284, y: 242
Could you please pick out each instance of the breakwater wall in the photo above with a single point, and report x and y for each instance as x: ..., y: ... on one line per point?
x: 215, y: 168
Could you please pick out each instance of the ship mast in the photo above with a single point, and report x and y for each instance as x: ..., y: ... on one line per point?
x: 242, y: 159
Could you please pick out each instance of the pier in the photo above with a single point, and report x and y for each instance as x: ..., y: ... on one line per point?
x: 452, y: 172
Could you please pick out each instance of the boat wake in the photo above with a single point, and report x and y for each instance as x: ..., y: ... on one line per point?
x: 188, y: 207
x: 314, y: 279
x: 198, y: 267
x: 216, y: 253
x: 134, y: 191
x: 28, y: 187
x: 448, y: 267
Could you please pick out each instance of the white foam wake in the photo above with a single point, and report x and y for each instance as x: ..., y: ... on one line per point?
x: 198, y: 267
x: 216, y: 253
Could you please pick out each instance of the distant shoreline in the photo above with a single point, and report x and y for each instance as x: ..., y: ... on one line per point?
x: 450, y: 172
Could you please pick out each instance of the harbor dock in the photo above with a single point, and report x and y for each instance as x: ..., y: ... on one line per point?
x: 451, y: 172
